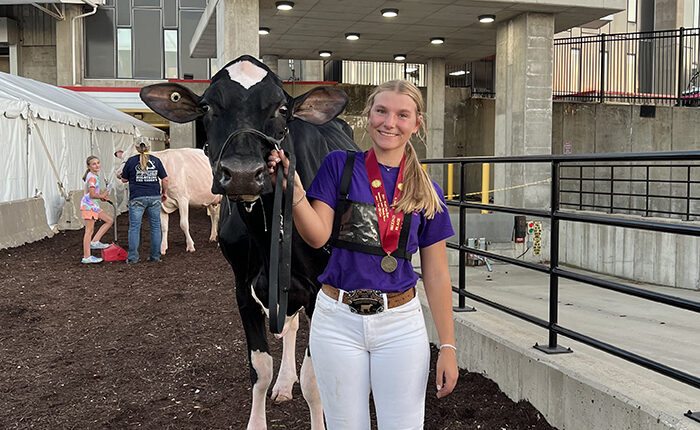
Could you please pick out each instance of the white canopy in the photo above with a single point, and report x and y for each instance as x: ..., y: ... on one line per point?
x: 46, y: 134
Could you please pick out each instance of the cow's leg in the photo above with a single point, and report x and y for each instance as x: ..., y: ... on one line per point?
x: 309, y: 389
x: 287, y: 376
x: 261, y: 374
x: 214, y: 215
x: 185, y: 223
x: 164, y: 217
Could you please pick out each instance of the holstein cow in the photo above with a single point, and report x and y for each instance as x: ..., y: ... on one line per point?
x: 188, y: 185
x: 244, y: 111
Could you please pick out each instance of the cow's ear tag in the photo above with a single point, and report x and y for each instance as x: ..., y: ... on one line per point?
x: 175, y: 97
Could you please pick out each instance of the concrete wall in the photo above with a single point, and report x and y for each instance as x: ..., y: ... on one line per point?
x: 651, y: 257
x: 23, y: 221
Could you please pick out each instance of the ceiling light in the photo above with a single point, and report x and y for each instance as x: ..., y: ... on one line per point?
x: 284, y: 5
x: 390, y: 13
x: 399, y: 57
x: 263, y: 31
x: 458, y: 73
x: 324, y: 53
x: 352, y: 36
x: 437, y: 40
x: 486, y: 19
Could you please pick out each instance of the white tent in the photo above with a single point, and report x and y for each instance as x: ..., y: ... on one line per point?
x: 46, y: 134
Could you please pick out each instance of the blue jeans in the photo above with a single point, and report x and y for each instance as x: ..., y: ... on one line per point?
x: 137, y: 206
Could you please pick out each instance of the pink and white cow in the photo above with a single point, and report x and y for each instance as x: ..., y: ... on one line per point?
x: 189, y: 184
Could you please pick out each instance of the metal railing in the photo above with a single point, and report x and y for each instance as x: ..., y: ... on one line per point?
x: 555, y: 215
x: 657, y: 67
x: 659, y: 190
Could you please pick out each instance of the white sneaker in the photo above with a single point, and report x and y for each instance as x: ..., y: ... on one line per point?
x: 91, y: 259
x: 98, y: 245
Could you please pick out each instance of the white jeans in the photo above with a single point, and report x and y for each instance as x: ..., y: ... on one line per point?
x: 387, y: 353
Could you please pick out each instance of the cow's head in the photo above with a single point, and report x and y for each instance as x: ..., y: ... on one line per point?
x: 245, y: 113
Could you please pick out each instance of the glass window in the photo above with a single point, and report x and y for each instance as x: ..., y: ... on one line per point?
x: 197, y: 67
x: 200, y: 4
x: 170, y: 39
x: 632, y: 10
x: 170, y: 14
x: 148, y: 49
x: 99, y: 44
x: 146, y: 3
x: 124, y: 13
x: 124, y: 53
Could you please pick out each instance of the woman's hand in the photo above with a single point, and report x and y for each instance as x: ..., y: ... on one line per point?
x: 276, y: 157
x: 446, y: 373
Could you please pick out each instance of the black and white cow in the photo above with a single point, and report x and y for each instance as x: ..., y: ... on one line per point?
x: 246, y: 95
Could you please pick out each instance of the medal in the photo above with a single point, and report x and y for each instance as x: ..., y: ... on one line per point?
x: 389, y: 264
x: 389, y: 220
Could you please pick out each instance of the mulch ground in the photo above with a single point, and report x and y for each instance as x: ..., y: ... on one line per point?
x: 159, y: 345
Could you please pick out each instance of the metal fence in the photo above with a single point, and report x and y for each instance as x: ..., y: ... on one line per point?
x: 375, y: 73
x: 659, y: 67
x: 658, y: 190
x: 478, y: 76
x: 555, y: 215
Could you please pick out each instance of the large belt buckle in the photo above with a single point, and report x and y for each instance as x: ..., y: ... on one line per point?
x: 365, y: 302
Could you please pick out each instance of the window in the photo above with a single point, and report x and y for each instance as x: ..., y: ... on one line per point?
x: 124, y: 53
x: 170, y: 38
x: 632, y: 10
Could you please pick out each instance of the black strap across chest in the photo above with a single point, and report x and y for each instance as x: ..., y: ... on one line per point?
x: 344, y: 204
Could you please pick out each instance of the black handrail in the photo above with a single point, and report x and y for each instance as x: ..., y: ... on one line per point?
x: 555, y: 214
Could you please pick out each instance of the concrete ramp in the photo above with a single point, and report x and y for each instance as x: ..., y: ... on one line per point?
x: 23, y: 221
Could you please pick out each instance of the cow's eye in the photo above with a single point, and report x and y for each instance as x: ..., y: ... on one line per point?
x: 283, y: 110
x: 204, y: 107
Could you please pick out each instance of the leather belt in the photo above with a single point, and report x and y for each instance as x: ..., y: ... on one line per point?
x: 369, y: 302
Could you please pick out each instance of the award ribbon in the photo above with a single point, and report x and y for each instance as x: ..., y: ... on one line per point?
x: 389, y: 220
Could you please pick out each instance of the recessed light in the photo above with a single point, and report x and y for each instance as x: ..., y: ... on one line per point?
x: 352, y: 36
x: 437, y: 40
x: 390, y: 13
x: 458, y: 73
x: 263, y: 31
x: 399, y: 57
x: 486, y: 19
x: 324, y: 53
x: 284, y: 5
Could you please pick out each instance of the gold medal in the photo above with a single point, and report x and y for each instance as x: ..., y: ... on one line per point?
x: 376, y: 183
x: 389, y: 264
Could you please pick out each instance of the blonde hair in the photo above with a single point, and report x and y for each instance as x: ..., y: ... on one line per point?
x: 418, y: 191
x: 142, y: 149
x: 87, y: 162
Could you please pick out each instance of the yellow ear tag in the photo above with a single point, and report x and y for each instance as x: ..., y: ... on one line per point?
x: 376, y: 183
x: 400, y: 186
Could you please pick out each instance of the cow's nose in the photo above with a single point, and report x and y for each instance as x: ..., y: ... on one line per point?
x: 241, y: 177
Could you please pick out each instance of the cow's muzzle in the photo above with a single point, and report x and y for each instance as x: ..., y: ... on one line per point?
x: 242, y: 179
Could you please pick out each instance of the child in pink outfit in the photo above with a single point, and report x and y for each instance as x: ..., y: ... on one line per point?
x: 90, y: 211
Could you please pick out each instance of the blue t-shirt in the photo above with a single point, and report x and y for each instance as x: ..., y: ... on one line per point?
x: 143, y: 183
x: 351, y: 270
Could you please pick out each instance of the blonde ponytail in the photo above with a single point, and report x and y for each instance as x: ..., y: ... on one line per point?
x: 142, y: 149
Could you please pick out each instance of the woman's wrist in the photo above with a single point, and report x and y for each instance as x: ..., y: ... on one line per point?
x: 298, y: 200
x: 447, y: 346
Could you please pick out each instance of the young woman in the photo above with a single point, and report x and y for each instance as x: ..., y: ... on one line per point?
x: 90, y: 211
x: 148, y: 183
x: 368, y: 332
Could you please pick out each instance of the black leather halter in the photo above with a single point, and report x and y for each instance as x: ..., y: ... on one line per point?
x: 279, y: 276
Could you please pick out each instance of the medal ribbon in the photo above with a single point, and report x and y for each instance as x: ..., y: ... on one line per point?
x: 389, y: 220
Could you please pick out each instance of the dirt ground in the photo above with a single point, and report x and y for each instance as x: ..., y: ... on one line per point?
x: 158, y: 345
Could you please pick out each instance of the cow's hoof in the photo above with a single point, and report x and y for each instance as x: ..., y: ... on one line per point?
x: 212, y: 239
x: 190, y: 249
x: 281, y: 397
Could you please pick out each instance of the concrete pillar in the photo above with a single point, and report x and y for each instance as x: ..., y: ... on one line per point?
x: 64, y: 55
x: 312, y: 70
x: 668, y: 14
x: 435, y: 110
x: 237, y: 23
x: 271, y: 61
x: 523, y: 124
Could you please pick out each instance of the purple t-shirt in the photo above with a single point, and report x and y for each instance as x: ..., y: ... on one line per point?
x: 351, y: 270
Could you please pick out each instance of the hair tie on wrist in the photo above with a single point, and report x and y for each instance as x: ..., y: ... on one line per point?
x: 447, y: 345
x: 300, y: 199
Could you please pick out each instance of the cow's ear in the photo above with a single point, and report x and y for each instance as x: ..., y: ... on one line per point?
x: 172, y: 101
x: 319, y: 105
